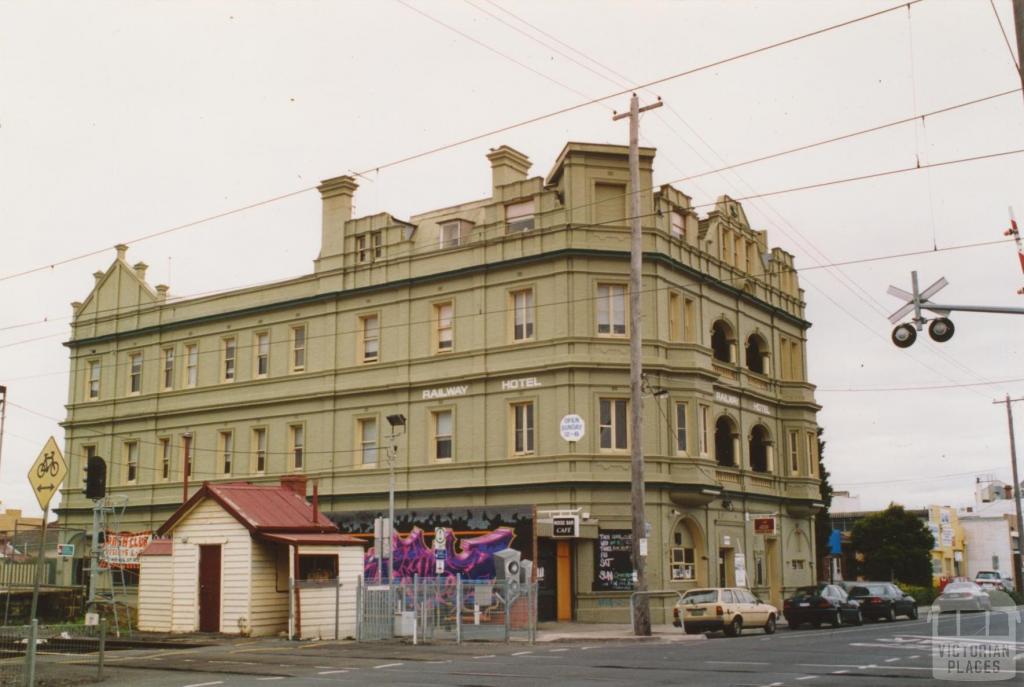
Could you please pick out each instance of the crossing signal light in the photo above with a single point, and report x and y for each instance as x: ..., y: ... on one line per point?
x: 95, y: 478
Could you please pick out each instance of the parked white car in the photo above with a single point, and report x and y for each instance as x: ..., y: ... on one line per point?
x: 963, y: 596
x: 992, y: 579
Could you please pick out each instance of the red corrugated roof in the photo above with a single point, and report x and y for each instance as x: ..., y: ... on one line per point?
x: 310, y: 538
x: 259, y: 508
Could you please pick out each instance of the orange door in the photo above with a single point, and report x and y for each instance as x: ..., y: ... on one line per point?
x: 564, y: 580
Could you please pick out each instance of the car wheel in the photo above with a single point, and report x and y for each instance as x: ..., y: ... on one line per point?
x: 792, y: 624
x: 913, y: 613
x: 890, y: 615
x: 815, y: 624
x: 769, y: 627
x: 735, y: 628
x: 859, y: 618
x: 837, y: 621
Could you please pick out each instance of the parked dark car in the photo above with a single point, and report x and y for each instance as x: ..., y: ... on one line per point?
x: 882, y: 600
x: 823, y: 603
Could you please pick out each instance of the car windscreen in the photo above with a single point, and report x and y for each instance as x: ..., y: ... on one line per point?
x: 809, y: 591
x: 868, y: 590
x: 987, y: 576
x: 700, y: 596
x: 961, y: 587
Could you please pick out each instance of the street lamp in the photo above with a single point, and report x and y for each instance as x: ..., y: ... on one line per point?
x: 397, y: 423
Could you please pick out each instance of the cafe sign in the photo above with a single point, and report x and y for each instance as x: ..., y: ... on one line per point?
x: 764, y: 525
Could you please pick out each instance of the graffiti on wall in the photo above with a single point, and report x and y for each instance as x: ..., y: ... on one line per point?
x: 471, y: 557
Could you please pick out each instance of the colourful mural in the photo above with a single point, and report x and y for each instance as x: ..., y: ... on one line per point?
x: 470, y: 557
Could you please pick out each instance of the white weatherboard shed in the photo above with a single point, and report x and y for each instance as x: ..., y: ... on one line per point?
x: 251, y: 560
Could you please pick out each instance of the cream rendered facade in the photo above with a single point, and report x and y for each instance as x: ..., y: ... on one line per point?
x: 484, y: 324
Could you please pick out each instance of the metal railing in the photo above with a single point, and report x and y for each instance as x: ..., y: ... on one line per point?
x: 31, y: 651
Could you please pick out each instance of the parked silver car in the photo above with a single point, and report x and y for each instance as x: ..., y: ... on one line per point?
x: 963, y: 596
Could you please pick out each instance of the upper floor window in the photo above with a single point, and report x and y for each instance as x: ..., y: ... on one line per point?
x: 262, y: 355
x: 794, y: 453
x: 812, y: 454
x: 186, y: 455
x: 705, y: 413
x: 368, y: 440
x: 361, y: 252
x: 369, y: 326
x: 229, y: 360
x: 226, y: 442
x: 443, y: 434
x: 522, y: 315
x: 676, y: 224
x: 191, y: 364
x: 760, y: 450
x: 726, y: 438
x: 259, y: 449
x: 681, y: 427
x: 298, y: 341
x: 790, y: 363
x: 168, y: 378
x: 297, y: 438
x: 611, y: 309
x: 134, y: 373
x: 93, y: 389
x: 131, y: 461
x: 758, y: 358
x: 723, y: 342
x: 613, y: 423
x: 675, y: 317
x: 444, y: 325
x: 165, y: 458
x: 519, y: 217
x: 378, y: 244
x: 522, y: 428
x: 610, y: 204
x: 451, y: 234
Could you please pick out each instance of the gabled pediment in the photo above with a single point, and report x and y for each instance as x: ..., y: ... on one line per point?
x: 122, y: 287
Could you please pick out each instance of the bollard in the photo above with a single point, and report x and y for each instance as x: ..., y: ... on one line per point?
x: 30, y: 654
x: 103, y: 647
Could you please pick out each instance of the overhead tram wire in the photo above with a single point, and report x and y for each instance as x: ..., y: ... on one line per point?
x: 931, y: 387
x: 487, y: 134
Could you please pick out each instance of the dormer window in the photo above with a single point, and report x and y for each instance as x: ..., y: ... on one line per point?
x: 676, y: 219
x: 451, y: 233
x: 519, y: 217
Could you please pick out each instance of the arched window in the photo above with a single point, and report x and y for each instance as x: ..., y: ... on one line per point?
x: 726, y: 440
x: 758, y: 358
x: 760, y: 449
x: 723, y: 342
x: 684, y: 554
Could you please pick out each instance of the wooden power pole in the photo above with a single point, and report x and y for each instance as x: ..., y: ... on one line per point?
x: 1018, y: 563
x: 641, y: 610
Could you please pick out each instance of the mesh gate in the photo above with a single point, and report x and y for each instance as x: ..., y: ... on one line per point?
x: 375, y: 612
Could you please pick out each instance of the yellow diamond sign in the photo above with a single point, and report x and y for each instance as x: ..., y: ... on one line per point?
x: 47, y: 473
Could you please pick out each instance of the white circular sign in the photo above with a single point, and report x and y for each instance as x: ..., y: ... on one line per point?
x: 572, y: 428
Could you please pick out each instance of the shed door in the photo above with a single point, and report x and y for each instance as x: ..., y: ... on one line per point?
x: 209, y: 588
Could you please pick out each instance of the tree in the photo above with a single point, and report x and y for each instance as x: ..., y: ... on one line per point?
x: 896, y: 546
x: 822, y: 523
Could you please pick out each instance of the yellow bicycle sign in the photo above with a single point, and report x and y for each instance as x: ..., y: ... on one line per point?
x: 47, y: 473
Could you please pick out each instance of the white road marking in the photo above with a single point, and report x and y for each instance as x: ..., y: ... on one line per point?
x: 331, y: 672
x: 886, y: 646
x: 807, y: 677
x: 891, y: 660
x: 557, y: 650
x: 522, y: 653
x: 206, y: 684
x: 485, y: 656
x: 240, y: 663
x: 588, y: 648
x: 849, y: 665
x: 840, y: 672
x: 272, y: 677
x: 916, y: 656
x: 742, y: 663
x: 386, y: 665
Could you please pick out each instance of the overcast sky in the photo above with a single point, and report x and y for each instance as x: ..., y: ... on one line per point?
x: 118, y: 120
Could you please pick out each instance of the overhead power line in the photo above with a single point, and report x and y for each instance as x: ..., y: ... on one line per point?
x: 932, y: 387
x: 480, y: 136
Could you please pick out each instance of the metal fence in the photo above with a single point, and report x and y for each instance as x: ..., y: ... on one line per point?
x: 27, y: 651
x: 447, y: 609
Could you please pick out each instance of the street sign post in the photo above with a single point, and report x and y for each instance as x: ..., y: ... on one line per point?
x: 45, y: 476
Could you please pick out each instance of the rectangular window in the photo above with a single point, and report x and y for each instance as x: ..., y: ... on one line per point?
x: 522, y: 315
x: 522, y: 428
x: 318, y: 567
x: 370, y: 327
x: 298, y: 341
x: 610, y: 204
x: 361, y: 254
x: 229, y: 359
x: 812, y: 453
x: 725, y: 248
x: 94, y: 379
x: 262, y: 355
x: 613, y: 425
x: 676, y: 223
x: 131, y: 461
x: 368, y: 440
x: 688, y: 321
x: 611, y: 309
x: 794, y: 455
x: 751, y: 255
x: 445, y: 327
x: 186, y: 455
x: 168, y: 380
x: 675, y: 314
x: 443, y: 435
x: 191, y: 365
x: 451, y: 234
x: 682, y: 563
x: 259, y: 445
x: 225, y: 446
x: 297, y: 440
x: 704, y: 413
x: 681, y: 427
x: 378, y: 245
x: 165, y: 458
x: 134, y: 373
x: 519, y: 217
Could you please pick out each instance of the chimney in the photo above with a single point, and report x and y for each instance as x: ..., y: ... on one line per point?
x: 121, y: 249
x: 316, y: 502
x: 161, y: 291
x: 1008, y: 491
x: 98, y: 276
x: 295, y: 483
x: 337, y: 195
x: 507, y: 166
x: 140, y: 270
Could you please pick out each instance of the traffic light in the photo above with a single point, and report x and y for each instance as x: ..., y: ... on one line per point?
x: 95, y: 478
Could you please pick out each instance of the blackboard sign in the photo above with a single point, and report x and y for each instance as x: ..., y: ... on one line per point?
x: 613, y: 564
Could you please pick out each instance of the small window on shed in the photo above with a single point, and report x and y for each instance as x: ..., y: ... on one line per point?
x: 318, y: 566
